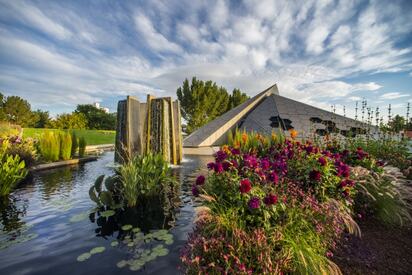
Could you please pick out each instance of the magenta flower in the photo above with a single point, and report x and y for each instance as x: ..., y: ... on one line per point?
x: 250, y: 161
x: 309, y: 149
x: 274, y: 177
x: 235, y: 151
x: 254, y: 203
x: 200, y: 180
x: 218, y: 167
x: 221, y: 155
x: 226, y: 165
x: 315, y: 175
x: 270, y: 199
x: 245, y: 186
x: 322, y: 161
x: 264, y: 164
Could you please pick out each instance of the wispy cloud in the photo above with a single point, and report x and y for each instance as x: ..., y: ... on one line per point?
x: 61, y: 54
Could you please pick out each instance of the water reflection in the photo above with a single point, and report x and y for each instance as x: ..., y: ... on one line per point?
x: 12, y: 212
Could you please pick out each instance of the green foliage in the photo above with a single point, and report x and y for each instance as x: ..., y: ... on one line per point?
x: 12, y: 170
x: 109, y: 196
x: 49, y: 145
x: 82, y: 146
x: 69, y: 121
x: 203, y: 101
x: 41, y: 119
x: 97, y: 118
x: 65, y: 145
x: 7, y: 130
x: 24, y: 148
x: 144, y: 176
x: 17, y: 110
x: 75, y: 144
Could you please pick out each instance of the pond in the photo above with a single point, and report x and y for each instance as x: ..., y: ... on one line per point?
x: 45, y: 226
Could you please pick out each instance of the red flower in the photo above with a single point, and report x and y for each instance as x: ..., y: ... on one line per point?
x: 200, y: 180
x: 270, y: 199
x: 245, y: 186
x: 322, y: 161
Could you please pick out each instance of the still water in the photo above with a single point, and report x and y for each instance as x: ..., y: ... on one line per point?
x: 45, y: 224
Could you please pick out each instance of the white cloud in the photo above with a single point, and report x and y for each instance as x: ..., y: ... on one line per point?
x: 355, y: 98
x: 394, y: 95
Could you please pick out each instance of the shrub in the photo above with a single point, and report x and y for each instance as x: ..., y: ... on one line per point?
x: 75, y: 144
x: 82, y: 146
x: 12, y: 170
x: 24, y: 148
x: 49, y: 145
x: 65, y: 145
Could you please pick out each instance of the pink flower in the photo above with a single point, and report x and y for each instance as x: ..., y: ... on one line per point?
x: 245, y: 186
x: 200, y: 180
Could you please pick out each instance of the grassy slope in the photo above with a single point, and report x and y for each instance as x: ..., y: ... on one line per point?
x: 93, y: 137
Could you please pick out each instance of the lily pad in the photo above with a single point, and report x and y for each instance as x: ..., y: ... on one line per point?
x: 136, y: 230
x: 83, y: 257
x: 127, y: 227
x: 161, y: 252
x: 98, y: 249
x: 79, y: 217
x: 130, y: 244
x: 107, y: 213
x: 121, y: 264
x: 169, y: 241
x: 135, y: 267
x: 114, y: 243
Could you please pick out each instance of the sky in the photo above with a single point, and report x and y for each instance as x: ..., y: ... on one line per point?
x: 57, y: 54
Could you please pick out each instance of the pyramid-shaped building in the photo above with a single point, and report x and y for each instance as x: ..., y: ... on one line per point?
x: 269, y: 112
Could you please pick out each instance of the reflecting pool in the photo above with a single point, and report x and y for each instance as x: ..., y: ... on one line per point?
x: 48, y: 225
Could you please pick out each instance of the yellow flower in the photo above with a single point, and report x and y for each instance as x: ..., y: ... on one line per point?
x: 293, y: 133
x: 225, y: 148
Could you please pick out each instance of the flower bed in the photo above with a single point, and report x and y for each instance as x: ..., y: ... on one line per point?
x: 277, y: 206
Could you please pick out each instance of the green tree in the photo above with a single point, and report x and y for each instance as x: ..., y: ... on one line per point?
x: 236, y: 98
x: 69, y: 121
x: 40, y: 119
x: 2, y: 114
x: 97, y: 118
x: 397, y: 124
x: 203, y: 101
x: 17, y: 111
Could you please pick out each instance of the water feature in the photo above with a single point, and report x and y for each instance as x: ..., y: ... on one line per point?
x: 46, y: 224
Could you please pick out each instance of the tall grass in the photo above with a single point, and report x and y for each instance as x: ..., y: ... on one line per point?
x: 75, y: 144
x: 65, y: 145
x: 82, y: 146
x: 49, y: 145
x: 12, y: 170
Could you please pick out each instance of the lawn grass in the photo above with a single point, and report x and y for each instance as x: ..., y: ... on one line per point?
x: 93, y: 137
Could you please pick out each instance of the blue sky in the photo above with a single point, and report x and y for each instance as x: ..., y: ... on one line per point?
x: 58, y: 54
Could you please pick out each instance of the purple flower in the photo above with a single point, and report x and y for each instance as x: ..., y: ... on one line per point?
x: 274, y: 177
x: 195, y: 191
x: 264, y: 164
x: 270, y: 199
x: 211, y: 165
x: 315, y: 175
x: 322, y: 161
x: 235, y: 151
x: 309, y: 149
x: 226, y: 165
x: 254, y: 203
x: 200, y: 180
x: 221, y: 155
x: 250, y: 161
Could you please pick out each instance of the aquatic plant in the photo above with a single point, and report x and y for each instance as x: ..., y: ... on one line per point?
x: 12, y: 170
x: 49, y: 145
x: 109, y: 197
x: 82, y: 146
x: 65, y: 145
x: 145, y: 176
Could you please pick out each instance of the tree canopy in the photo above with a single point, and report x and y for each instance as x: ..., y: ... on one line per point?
x: 69, y: 121
x: 16, y: 110
x: 203, y: 101
x: 97, y: 118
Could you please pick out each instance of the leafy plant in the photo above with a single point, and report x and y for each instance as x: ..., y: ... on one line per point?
x: 82, y: 146
x: 49, y: 145
x: 109, y: 197
x: 65, y: 145
x: 12, y: 170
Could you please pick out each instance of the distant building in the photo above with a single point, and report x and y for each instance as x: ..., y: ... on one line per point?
x: 269, y: 112
x: 97, y: 105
